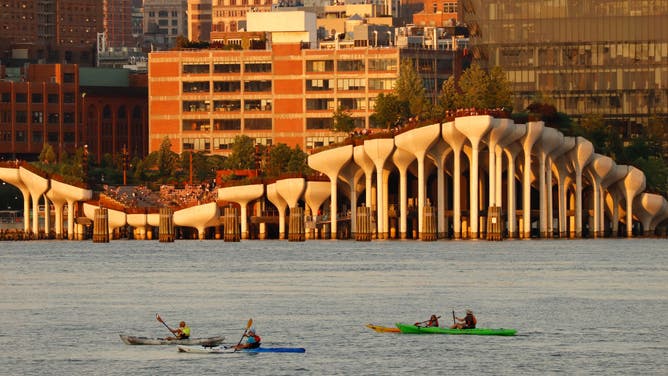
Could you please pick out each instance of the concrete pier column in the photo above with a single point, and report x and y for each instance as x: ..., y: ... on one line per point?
x: 555, y: 167
x: 499, y: 130
x: 598, y: 169
x: 648, y: 206
x: 330, y: 162
x: 418, y: 141
x: 549, y: 140
x: 292, y: 190
x: 315, y: 194
x: 402, y: 159
x: 275, y: 198
x: 351, y: 174
x: 58, y: 205
x: 438, y: 153
x: 242, y: 195
x: 37, y: 186
x: 456, y: 140
x: 616, y: 173
x: 633, y: 183
x: 512, y: 151
x: 199, y: 217
x: 474, y: 128
x: 580, y: 156
x: 379, y: 150
x: 534, y: 131
x: 12, y: 176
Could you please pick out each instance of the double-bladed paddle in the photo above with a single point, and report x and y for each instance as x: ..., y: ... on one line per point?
x: 250, y: 323
x: 157, y: 317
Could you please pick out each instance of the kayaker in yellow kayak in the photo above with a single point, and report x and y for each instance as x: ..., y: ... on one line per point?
x: 467, y: 322
x: 433, y: 321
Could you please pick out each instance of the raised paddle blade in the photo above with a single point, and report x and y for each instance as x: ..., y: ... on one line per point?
x: 248, y: 325
x: 157, y: 317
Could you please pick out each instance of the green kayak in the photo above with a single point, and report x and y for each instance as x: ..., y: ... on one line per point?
x: 412, y: 329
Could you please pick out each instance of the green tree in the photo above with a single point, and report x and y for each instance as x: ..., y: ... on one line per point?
x: 243, y: 154
x: 47, y: 155
x: 409, y: 88
x: 167, y: 161
x: 499, y: 93
x: 279, y: 157
x: 389, y: 111
x: 477, y: 88
x: 298, y: 161
x: 342, y: 121
x: 474, y: 85
x: 594, y: 129
x: 449, y: 95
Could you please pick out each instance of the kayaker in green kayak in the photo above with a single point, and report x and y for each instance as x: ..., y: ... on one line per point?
x: 467, y: 322
x: 433, y: 321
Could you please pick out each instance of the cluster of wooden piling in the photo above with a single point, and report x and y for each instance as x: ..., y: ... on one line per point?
x: 166, y: 232
x: 232, y: 231
x: 364, y: 231
x: 296, y: 228
x: 101, y: 226
x: 429, y: 224
x: 494, y: 223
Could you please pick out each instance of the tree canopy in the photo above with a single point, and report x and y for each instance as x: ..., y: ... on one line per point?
x: 476, y: 88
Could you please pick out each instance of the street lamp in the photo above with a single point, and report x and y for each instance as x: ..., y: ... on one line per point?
x: 375, y: 38
x: 389, y: 38
x: 82, y: 120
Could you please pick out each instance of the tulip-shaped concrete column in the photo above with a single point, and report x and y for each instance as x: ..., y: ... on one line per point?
x: 61, y: 193
x: 315, y: 194
x: 616, y: 173
x: 580, y: 155
x: 456, y: 140
x: 242, y: 195
x: 439, y: 153
x: 280, y: 204
x: 351, y: 173
x: 291, y: 190
x: 418, y: 141
x: 199, y: 217
x: 660, y: 216
x: 534, y: 131
x: 515, y: 132
x: 565, y: 144
x: 599, y: 167
x: 330, y: 162
x: 499, y: 130
x: 561, y: 169
x: 379, y: 150
x: 647, y: 206
x: 366, y: 164
x: 13, y: 177
x: 633, y: 183
x: 474, y: 128
x: 58, y: 204
x: 402, y: 159
x: 548, y: 141
x: 512, y: 151
x: 37, y: 185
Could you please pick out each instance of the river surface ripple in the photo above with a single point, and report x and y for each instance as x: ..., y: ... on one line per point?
x: 580, y: 307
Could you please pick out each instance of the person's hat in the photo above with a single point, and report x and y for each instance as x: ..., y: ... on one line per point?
x: 469, y: 311
x: 251, y: 330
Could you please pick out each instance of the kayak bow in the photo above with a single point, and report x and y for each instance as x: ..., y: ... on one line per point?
x: 383, y: 329
x: 412, y: 329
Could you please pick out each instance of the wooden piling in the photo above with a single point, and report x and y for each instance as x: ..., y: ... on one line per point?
x: 363, y: 222
x: 166, y: 233
x: 231, y: 225
x: 101, y: 226
x: 494, y: 223
x: 296, y: 229
x: 428, y: 224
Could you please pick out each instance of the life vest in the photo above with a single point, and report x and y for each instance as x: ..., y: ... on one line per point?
x: 470, y: 321
x: 185, y: 332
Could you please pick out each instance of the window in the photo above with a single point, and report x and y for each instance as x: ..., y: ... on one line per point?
x: 37, y: 117
x: 6, y: 98
x: 257, y: 124
x: 381, y: 83
x: 68, y: 77
x: 256, y: 86
x: 227, y: 68
x: 257, y: 67
x: 350, y: 65
x: 68, y: 98
x: 68, y: 118
x: 227, y: 124
x: 52, y: 98
x: 319, y: 123
x: 320, y: 66
x: 21, y: 117
x: 231, y: 105
x: 37, y: 98
x: 53, y: 118
x: 227, y: 86
x: 196, y: 68
x: 352, y: 103
x: 320, y: 104
x: 351, y: 84
x: 319, y: 85
x: 196, y: 106
x: 223, y: 143
x: 21, y: 136
x: 21, y: 98
x: 257, y: 105
x: 383, y: 65
x: 197, y: 144
x: 196, y: 87
x: 196, y: 125
x: 36, y: 137
x: 163, y: 13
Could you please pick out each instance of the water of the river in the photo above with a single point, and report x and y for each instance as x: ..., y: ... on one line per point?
x: 580, y: 307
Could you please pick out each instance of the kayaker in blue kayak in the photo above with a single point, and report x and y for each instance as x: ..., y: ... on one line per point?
x: 433, y: 321
x: 467, y: 322
x: 252, y: 340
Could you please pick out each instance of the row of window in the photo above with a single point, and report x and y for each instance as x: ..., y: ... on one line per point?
x: 314, y: 66
x: 219, y: 143
x: 343, y: 84
x: 256, y: 124
x: 37, y: 137
x: 52, y: 98
x: 228, y: 105
x: 37, y: 117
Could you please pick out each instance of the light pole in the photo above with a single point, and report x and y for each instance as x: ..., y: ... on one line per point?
x: 375, y: 38
x: 389, y: 38
x: 82, y: 120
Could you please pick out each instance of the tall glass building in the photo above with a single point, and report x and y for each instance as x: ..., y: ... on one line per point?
x: 607, y: 57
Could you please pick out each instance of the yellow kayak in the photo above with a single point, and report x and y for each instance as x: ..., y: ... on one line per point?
x: 383, y: 329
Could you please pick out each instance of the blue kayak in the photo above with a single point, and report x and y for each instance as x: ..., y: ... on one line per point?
x: 230, y: 350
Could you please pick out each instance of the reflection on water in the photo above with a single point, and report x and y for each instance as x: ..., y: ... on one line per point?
x: 589, y: 306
